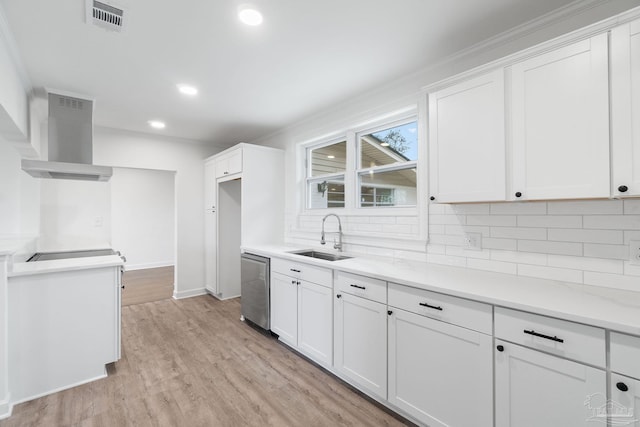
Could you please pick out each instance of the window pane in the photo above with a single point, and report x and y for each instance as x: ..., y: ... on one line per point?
x: 391, y: 188
x: 398, y: 144
x: 326, y: 194
x: 329, y: 159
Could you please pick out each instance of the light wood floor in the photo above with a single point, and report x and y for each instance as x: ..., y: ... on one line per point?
x: 192, y: 362
x: 149, y: 284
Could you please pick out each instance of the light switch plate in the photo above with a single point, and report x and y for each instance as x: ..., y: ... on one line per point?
x: 634, y: 252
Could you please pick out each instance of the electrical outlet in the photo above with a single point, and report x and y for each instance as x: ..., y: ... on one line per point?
x: 473, y: 241
x: 97, y: 222
x: 634, y: 252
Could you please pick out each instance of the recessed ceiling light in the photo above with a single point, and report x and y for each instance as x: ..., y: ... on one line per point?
x: 187, y: 89
x: 249, y: 15
x: 157, y: 124
x: 331, y: 157
x: 384, y: 144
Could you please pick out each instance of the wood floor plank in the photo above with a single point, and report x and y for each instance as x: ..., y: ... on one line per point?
x: 192, y: 362
x: 147, y: 285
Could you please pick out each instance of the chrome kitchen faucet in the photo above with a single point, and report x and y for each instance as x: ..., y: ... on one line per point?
x: 338, y: 245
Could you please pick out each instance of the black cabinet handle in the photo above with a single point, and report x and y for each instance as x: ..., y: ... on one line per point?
x: 537, y: 334
x: 432, y: 198
x: 358, y: 286
x: 424, y: 304
x: 226, y: 173
x: 339, y: 296
x: 122, y: 286
x: 293, y: 282
x: 298, y: 282
x: 623, y: 188
x: 500, y: 348
x: 518, y: 194
x: 389, y: 312
x: 622, y: 386
x: 295, y: 271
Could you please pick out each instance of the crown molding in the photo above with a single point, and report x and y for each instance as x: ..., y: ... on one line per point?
x: 6, y: 36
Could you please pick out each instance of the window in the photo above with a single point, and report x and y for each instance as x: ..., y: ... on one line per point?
x: 388, y: 160
x: 325, y: 177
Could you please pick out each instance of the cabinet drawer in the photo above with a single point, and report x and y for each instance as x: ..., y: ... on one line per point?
x: 302, y: 271
x: 468, y: 314
x: 625, y: 354
x: 361, y: 286
x: 563, y: 338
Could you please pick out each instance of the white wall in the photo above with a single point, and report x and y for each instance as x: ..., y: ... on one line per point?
x: 14, y: 119
x: 582, y: 242
x: 128, y: 149
x: 19, y: 196
x: 74, y: 215
x: 143, y: 216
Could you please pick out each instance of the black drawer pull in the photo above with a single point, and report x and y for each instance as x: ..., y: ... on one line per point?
x: 622, y: 386
x: 358, y: 286
x: 389, y: 312
x: 424, y: 304
x: 294, y: 270
x: 338, y: 296
x: 549, y: 337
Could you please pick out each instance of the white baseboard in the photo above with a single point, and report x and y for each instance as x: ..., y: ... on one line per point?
x: 189, y: 294
x: 130, y: 267
x: 6, y: 407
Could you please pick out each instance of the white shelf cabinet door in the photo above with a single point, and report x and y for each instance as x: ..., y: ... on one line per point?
x: 284, y: 308
x: 315, y: 322
x: 560, y: 123
x: 467, y: 141
x: 360, y: 342
x: 625, y: 401
x: 534, y: 389
x: 229, y: 164
x: 439, y: 373
x: 625, y: 109
x: 210, y: 228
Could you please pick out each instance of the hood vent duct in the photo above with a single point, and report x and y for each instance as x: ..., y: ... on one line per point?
x: 70, y: 143
x: 104, y: 15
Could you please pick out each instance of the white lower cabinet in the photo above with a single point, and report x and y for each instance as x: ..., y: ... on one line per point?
x: 625, y: 399
x: 314, y: 321
x: 302, y: 311
x: 534, y: 389
x: 439, y: 373
x: 360, y: 342
x: 284, y: 308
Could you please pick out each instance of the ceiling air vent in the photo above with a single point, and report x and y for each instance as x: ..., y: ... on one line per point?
x: 104, y: 15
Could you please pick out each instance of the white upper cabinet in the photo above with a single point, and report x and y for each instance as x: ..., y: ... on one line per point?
x: 560, y: 123
x: 229, y: 164
x: 625, y: 110
x: 467, y: 141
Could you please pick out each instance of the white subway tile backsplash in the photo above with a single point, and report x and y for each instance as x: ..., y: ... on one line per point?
x: 586, y: 264
x: 519, y: 233
x: 618, y: 281
x: 575, y: 241
x: 558, y: 248
x: 492, y: 220
x: 497, y: 266
x: 446, y: 219
x: 632, y: 207
x: 472, y: 209
x: 519, y: 257
x: 595, y: 250
x: 550, y: 221
x: 613, y: 222
x: 585, y: 207
x: 552, y: 273
x: 504, y: 244
x: 519, y: 208
x: 581, y: 235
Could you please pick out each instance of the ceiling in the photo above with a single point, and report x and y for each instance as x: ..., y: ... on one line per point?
x: 252, y: 80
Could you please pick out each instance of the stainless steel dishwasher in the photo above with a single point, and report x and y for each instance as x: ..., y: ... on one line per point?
x: 255, y: 283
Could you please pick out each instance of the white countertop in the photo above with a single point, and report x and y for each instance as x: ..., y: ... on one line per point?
x: 613, y: 309
x: 69, y: 264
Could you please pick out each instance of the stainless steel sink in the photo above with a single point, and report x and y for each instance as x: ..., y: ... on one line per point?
x: 320, y: 255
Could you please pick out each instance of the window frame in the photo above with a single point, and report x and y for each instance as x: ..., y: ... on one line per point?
x: 308, y: 179
x: 412, y: 164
